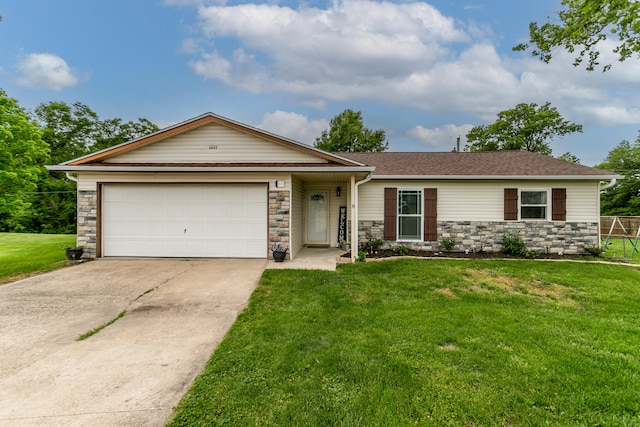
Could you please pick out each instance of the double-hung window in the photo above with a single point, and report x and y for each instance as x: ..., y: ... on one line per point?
x: 534, y: 204
x: 410, y: 217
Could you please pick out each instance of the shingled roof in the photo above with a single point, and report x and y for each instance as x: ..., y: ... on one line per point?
x: 474, y: 164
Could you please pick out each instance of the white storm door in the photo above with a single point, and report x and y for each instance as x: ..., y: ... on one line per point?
x: 317, y: 216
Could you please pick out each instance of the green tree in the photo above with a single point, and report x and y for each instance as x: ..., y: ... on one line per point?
x: 582, y: 25
x: 568, y: 157
x: 624, y: 197
x: 73, y: 130
x: 22, y: 158
x: 346, y: 133
x: 525, y: 127
x: 68, y: 129
x: 115, y: 131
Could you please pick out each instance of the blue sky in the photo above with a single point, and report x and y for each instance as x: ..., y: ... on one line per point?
x: 425, y: 72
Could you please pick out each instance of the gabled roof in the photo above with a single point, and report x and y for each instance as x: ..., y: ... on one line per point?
x: 475, y: 165
x: 197, y: 122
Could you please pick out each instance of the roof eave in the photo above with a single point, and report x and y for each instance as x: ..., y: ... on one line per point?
x: 111, y: 168
x: 499, y: 177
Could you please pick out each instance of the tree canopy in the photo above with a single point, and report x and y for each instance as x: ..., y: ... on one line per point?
x: 32, y: 199
x: 23, y: 154
x: 347, y: 133
x: 624, y: 197
x: 525, y: 127
x: 582, y: 25
x: 73, y: 130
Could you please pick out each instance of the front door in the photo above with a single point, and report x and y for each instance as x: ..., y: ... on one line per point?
x: 317, y: 215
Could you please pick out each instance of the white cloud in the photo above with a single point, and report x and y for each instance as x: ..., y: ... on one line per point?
x: 442, y: 138
x: 608, y: 115
x: 46, y: 71
x: 406, y: 54
x: 293, y: 126
x: 327, y: 52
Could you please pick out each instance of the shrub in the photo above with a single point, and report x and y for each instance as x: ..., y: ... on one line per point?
x: 401, y: 250
x: 594, y: 250
x: 447, y: 244
x: 372, y: 245
x: 512, y: 244
x: 362, y: 255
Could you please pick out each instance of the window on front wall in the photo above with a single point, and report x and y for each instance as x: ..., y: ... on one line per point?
x: 410, y: 218
x: 534, y: 204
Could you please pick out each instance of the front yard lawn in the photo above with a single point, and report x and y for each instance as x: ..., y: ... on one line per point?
x: 23, y: 254
x: 429, y: 342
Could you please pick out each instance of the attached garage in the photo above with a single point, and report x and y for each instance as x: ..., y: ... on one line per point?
x: 184, y: 220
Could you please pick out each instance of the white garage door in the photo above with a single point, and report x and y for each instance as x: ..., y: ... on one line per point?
x: 215, y: 221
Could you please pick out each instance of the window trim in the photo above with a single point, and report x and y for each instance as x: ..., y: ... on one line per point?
x: 420, y: 216
x: 548, y: 205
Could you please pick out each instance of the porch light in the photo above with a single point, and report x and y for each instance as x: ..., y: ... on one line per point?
x: 338, y: 192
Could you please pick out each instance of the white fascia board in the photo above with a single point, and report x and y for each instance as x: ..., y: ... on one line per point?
x: 112, y: 168
x: 496, y: 177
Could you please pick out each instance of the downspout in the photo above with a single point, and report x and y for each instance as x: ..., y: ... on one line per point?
x: 602, y: 188
x: 72, y: 178
x: 354, y: 225
x: 609, y: 185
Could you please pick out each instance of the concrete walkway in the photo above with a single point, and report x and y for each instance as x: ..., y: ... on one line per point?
x: 133, y: 372
x: 311, y: 259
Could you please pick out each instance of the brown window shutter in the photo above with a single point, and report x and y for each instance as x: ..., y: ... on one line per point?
x: 430, y: 214
x: 390, y: 213
x: 558, y: 204
x: 510, y: 204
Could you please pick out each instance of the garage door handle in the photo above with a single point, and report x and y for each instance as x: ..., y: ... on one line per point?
x: 185, y: 231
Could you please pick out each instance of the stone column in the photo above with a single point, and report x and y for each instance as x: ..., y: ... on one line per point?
x: 87, y: 224
x: 279, y: 212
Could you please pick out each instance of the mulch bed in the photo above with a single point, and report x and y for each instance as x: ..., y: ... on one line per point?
x: 388, y: 253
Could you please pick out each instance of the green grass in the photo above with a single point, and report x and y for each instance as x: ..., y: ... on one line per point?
x: 429, y: 342
x: 101, y: 327
x: 23, y: 254
x: 616, y: 250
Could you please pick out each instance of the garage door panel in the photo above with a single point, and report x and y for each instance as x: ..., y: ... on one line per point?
x: 154, y: 228
x: 175, y: 210
x: 184, y: 220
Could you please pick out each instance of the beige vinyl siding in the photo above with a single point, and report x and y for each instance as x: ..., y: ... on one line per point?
x: 583, y: 201
x: 214, y: 143
x: 297, y: 215
x: 87, y: 181
x: 480, y: 200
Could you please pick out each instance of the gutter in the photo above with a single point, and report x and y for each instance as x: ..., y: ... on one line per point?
x: 72, y: 178
x: 355, y: 238
x: 498, y: 177
x: 63, y: 168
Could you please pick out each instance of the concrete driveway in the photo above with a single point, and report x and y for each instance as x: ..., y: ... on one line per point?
x: 134, y: 371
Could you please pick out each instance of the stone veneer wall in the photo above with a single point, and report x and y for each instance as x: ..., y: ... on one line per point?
x: 279, y: 212
x: 87, y: 225
x: 540, y: 236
